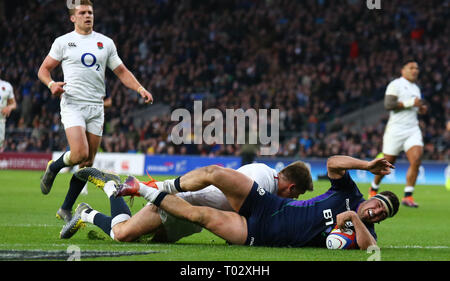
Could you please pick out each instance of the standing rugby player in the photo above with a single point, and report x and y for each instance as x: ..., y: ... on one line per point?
x: 402, y: 133
x: 7, y: 104
x: 84, y: 56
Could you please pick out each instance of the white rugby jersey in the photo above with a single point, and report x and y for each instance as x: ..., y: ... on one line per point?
x: 211, y: 196
x: 6, y: 93
x: 84, y: 59
x: 404, y: 90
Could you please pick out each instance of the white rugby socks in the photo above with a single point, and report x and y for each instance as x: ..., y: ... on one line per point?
x: 409, y: 190
x: 170, y: 186
x: 66, y: 158
x: 149, y: 193
x: 88, y: 217
x: 375, y: 186
x: 109, y: 188
x: 167, y: 186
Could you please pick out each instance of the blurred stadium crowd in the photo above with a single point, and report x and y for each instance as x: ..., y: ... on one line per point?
x: 314, y: 60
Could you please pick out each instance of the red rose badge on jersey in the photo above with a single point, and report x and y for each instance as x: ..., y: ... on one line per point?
x: 100, y: 45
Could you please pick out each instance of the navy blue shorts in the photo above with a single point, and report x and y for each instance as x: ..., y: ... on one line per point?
x: 258, y: 208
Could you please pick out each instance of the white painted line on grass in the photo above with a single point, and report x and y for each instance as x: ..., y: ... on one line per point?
x: 417, y: 247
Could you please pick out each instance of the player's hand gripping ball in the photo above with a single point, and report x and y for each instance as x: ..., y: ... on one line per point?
x: 338, y: 239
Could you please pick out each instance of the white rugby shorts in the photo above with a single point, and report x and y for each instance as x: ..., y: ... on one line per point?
x: 2, y: 132
x: 91, y: 117
x: 395, y: 141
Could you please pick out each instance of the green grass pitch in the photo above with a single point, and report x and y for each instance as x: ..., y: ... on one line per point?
x: 27, y: 222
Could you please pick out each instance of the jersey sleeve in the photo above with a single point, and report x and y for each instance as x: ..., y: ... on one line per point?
x: 344, y: 183
x: 113, y: 60
x: 263, y: 175
x: 391, y: 89
x: 57, y: 50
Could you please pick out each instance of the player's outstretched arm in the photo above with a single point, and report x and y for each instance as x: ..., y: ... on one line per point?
x: 380, y: 166
x: 337, y: 165
x: 363, y: 236
x: 130, y: 81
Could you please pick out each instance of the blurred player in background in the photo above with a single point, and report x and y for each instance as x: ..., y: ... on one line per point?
x: 7, y: 104
x: 402, y: 133
x: 84, y: 56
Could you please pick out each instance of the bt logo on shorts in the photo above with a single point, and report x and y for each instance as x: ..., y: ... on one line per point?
x: 89, y: 60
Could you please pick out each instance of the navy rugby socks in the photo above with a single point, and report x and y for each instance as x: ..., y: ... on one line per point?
x: 119, y: 213
x: 75, y: 188
x: 118, y: 206
x: 104, y: 222
x: 57, y: 165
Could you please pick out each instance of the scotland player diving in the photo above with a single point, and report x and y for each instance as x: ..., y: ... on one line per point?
x: 264, y: 219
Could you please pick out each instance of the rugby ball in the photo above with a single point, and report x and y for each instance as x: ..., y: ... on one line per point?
x: 338, y: 239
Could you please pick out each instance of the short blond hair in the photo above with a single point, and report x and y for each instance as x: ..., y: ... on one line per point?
x: 81, y: 2
x: 298, y: 173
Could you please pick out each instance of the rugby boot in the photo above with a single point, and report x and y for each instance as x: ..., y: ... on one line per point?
x: 65, y: 215
x: 95, y: 176
x: 372, y: 192
x: 47, y: 179
x: 408, y: 201
x: 130, y: 187
x: 70, y: 228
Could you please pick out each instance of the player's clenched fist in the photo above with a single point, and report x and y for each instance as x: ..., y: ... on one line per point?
x: 57, y: 88
x: 146, y: 95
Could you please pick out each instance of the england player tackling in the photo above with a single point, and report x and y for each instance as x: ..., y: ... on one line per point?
x: 84, y: 56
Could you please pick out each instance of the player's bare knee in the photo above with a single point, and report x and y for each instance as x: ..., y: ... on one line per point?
x: 79, y: 157
x: 212, y: 169
x: 215, y: 172
x: 211, y: 223
x: 415, y: 163
x: 209, y: 174
x: 121, y: 235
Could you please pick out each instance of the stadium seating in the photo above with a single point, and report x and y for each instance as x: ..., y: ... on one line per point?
x: 307, y: 58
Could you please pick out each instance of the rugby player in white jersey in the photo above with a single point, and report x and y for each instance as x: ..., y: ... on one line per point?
x: 402, y: 133
x: 84, y: 56
x: 7, y: 104
x: 290, y: 182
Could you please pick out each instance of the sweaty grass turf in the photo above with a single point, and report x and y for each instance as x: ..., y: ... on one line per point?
x: 27, y: 222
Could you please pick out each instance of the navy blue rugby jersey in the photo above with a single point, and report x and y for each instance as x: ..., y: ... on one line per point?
x: 301, y: 223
